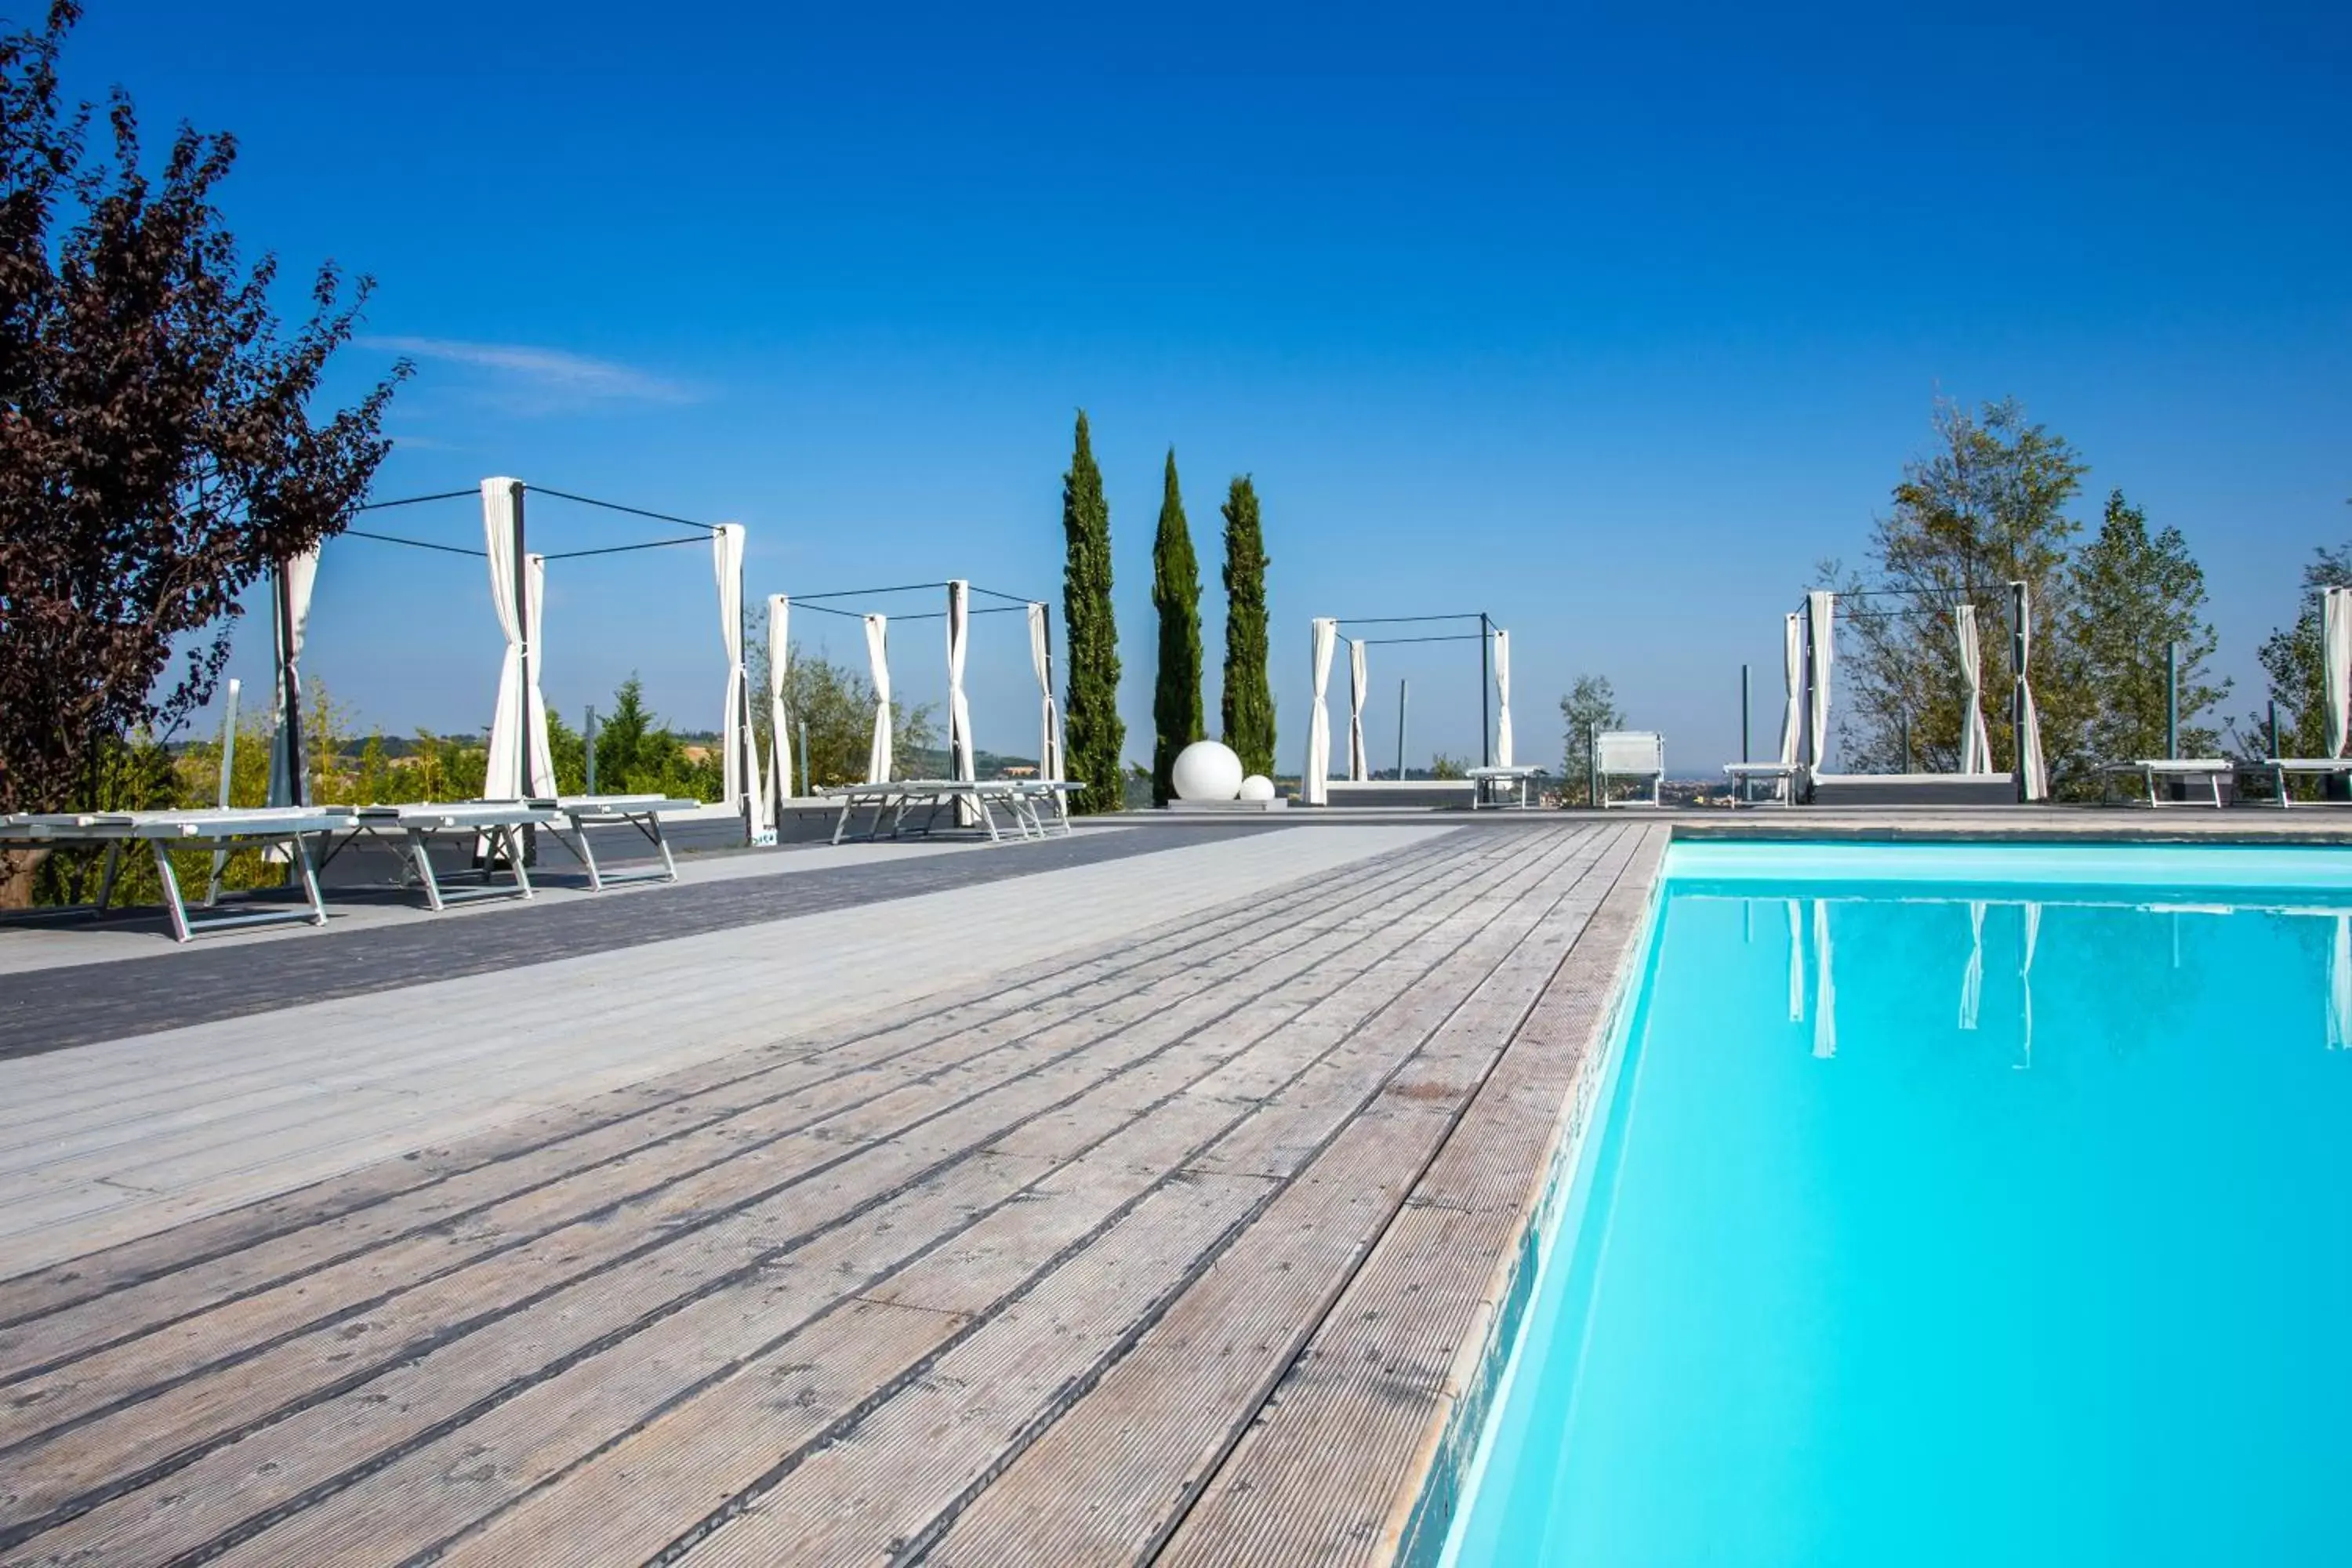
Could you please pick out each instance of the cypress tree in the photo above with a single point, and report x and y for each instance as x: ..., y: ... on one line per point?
x: 1248, y: 707
x: 1090, y: 715
x: 1177, y: 713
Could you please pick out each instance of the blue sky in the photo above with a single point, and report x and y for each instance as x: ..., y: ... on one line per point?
x: 1608, y: 320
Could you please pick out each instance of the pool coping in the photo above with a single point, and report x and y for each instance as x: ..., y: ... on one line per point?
x: 1594, y: 972
x: 1421, y: 1518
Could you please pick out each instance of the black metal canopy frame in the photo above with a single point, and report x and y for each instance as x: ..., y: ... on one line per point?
x: 288, y: 719
x: 2008, y: 601
x: 1485, y: 638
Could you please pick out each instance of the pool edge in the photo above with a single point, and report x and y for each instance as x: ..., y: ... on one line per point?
x: 1414, y: 1532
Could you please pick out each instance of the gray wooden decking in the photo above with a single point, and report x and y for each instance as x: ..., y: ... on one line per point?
x: 1174, y: 1247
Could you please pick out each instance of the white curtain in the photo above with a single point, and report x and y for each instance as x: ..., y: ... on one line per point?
x: 1972, y: 978
x: 1314, y: 786
x: 502, y: 535
x: 2029, y: 761
x: 878, y: 662
x: 780, y: 719
x: 961, y: 763
x: 1824, y: 985
x: 2339, y: 986
x: 740, y: 771
x: 2335, y: 643
x: 290, y: 588
x: 959, y: 748
x: 1793, y: 674
x: 543, y: 755
x: 1976, y: 741
x: 1502, y: 698
x: 1796, y: 961
x: 1356, y: 768
x: 1821, y: 608
x: 1049, y: 732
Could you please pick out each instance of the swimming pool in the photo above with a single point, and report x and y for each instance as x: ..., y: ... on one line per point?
x: 1952, y: 1205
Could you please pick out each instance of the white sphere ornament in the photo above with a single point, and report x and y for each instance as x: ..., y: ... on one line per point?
x: 1207, y: 770
x: 1257, y: 786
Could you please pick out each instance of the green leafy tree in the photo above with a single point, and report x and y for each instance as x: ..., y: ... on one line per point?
x: 1984, y: 507
x: 1178, y: 716
x: 2135, y: 594
x: 2293, y: 669
x: 1247, y: 706
x: 627, y: 742
x: 1591, y: 705
x: 1446, y: 767
x: 1096, y: 734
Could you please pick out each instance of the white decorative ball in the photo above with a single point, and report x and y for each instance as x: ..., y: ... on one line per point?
x: 1207, y: 770
x: 1257, y: 786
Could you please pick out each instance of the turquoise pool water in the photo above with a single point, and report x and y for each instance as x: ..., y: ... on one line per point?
x: 1953, y: 1206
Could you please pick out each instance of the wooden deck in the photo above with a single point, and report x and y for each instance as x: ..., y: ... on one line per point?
x: 1170, y: 1249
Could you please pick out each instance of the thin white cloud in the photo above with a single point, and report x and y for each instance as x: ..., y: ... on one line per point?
x: 542, y: 378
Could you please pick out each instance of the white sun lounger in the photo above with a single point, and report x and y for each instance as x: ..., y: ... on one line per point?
x: 642, y: 812
x: 901, y: 799
x: 2324, y: 767
x: 1634, y: 755
x: 1789, y: 777
x: 411, y: 829
x: 2212, y: 770
x: 217, y: 828
x: 1498, y: 786
x: 1053, y: 793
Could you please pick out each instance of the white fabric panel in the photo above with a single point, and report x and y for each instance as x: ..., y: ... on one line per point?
x: 960, y: 764
x: 1792, y: 673
x: 1824, y: 985
x: 534, y: 600
x: 1314, y: 785
x: 501, y: 531
x: 292, y: 583
x: 739, y: 770
x: 2029, y: 761
x: 960, y: 747
x: 1976, y: 741
x: 2339, y: 986
x: 1796, y: 961
x: 877, y: 664
x: 1356, y: 761
x: 1049, y: 732
x: 2335, y: 647
x: 1972, y: 978
x: 780, y: 719
x: 1821, y: 606
x: 1502, y: 698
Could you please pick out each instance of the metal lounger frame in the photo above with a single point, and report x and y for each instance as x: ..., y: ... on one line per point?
x: 160, y: 831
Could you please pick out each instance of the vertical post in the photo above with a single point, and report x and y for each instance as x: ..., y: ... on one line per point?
x: 2274, y: 750
x: 2172, y: 699
x: 588, y: 745
x: 1485, y: 692
x: 1906, y: 740
x: 1593, y: 766
x: 2017, y: 687
x: 1401, y: 691
x: 1741, y: 793
x: 299, y: 791
x: 1805, y: 696
x: 227, y: 766
x: 807, y: 783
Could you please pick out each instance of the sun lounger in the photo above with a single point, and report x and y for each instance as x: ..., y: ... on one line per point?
x: 642, y: 812
x: 1631, y: 753
x: 2323, y: 767
x: 1788, y: 778
x: 1053, y: 794
x: 1496, y: 785
x: 901, y: 799
x: 497, y: 825
x: 217, y: 828
x: 2212, y: 770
